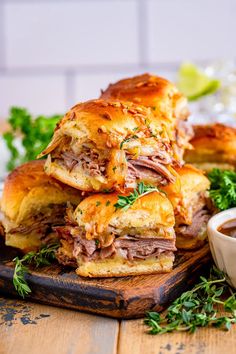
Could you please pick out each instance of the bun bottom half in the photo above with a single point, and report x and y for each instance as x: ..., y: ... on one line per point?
x: 120, y: 267
x: 28, y: 242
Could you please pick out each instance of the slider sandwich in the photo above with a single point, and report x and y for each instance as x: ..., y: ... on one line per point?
x: 104, y: 239
x: 169, y: 106
x: 32, y: 203
x: 214, y: 147
x: 109, y: 145
x: 189, y: 198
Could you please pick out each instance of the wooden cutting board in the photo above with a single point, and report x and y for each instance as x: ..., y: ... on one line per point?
x: 127, y: 297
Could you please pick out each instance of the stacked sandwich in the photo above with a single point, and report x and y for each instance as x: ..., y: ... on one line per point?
x: 116, y: 165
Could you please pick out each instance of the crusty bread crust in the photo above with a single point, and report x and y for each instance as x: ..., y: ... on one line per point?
x: 29, y: 188
x: 119, y: 267
x: 151, y: 91
x: 214, y: 143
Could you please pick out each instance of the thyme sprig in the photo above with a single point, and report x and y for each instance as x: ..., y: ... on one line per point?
x: 125, y: 201
x: 41, y: 258
x: 197, y: 307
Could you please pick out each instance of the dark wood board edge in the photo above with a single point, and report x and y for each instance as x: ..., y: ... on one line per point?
x: 132, y: 302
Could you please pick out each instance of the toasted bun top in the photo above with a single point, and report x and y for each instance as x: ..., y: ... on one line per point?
x: 191, y: 180
x: 29, y: 185
x: 217, y: 138
x: 108, y: 124
x: 151, y: 91
x: 150, y: 211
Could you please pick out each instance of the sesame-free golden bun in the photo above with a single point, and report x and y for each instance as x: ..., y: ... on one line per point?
x: 120, y: 267
x: 214, y: 146
x: 184, y: 193
x: 151, y: 91
x: 98, y: 214
x: 28, y: 192
x: 110, y: 129
x: 28, y: 188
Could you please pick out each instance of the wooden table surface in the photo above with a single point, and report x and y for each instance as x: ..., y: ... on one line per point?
x: 38, y: 329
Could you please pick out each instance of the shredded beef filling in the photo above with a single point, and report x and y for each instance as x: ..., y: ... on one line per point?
x: 42, y: 223
x: 129, y: 247
x: 200, y: 219
x: 87, y: 159
x: 149, y: 167
x: 140, y: 168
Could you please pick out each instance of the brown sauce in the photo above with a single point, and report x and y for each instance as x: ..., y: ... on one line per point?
x: 228, y: 228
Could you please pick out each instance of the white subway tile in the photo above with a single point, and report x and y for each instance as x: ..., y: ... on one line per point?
x: 71, y: 33
x: 196, y: 30
x: 40, y: 94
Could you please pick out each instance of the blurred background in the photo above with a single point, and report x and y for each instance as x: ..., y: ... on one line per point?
x: 54, y: 53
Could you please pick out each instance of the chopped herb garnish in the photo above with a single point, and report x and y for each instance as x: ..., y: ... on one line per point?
x: 135, y: 129
x: 98, y: 203
x: 108, y: 203
x: 124, y: 202
x: 80, y: 211
x: 97, y: 242
x: 198, y: 307
x: 114, y: 168
x: 107, y: 190
x: 41, y: 258
x: 128, y: 139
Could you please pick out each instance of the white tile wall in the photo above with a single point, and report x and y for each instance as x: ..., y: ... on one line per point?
x: 185, y: 29
x: 55, y: 52
x: 71, y: 33
x: 41, y: 94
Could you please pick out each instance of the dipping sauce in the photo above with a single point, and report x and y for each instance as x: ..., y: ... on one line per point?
x: 228, y: 228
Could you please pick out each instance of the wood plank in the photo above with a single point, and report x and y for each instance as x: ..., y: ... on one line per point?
x: 36, y: 329
x: 133, y: 339
x: 126, y: 297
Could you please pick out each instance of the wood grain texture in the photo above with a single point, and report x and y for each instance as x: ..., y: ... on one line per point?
x: 39, y: 329
x: 127, y: 297
x: 133, y: 339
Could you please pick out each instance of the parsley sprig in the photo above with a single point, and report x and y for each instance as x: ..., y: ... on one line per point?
x: 197, y: 307
x: 41, y: 258
x: 124, y: 202
x: 27, y: 136
x: 223, y: 188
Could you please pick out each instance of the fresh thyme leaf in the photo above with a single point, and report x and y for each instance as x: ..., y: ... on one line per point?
x: 197, y: 308
x: 27, y: 136
x: 124, y: 202
x: 41, y: 258
x: 223, y: 188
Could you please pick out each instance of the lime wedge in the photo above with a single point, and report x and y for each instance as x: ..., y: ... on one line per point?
x: 194, y: 83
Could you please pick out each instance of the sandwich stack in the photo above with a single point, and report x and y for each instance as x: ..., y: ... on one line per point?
x: 122, y: 156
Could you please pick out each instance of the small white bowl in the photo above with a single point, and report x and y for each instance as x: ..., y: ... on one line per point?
x: 223, y: 248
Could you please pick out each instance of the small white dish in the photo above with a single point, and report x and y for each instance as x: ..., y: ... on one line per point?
x: 223, y: 248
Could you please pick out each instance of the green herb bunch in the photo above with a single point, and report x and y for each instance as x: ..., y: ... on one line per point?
x: 223, y: 188
x: 124, y: 202
x: 197, y: 307
x: 41, y: 258
x: 27, y: 136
